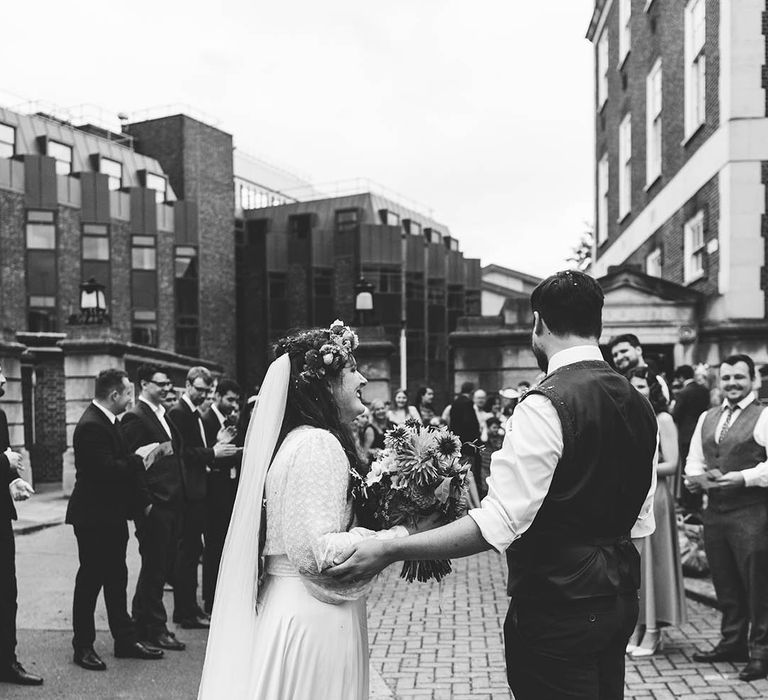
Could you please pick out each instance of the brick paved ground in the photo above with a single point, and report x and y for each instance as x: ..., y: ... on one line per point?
x: 421, y: 651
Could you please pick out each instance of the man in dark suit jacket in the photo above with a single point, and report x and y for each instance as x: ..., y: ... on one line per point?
x: 106, y: 475
x: 692, y: 401
x: 222, y: 483
x: 197, y: 459
x: 161, y: 496
x: 11, y: 671
x: 464, y: 423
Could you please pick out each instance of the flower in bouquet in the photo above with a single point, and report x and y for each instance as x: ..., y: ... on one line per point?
x: 418, y: 473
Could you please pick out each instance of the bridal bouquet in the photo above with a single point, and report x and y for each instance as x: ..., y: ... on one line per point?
x: 418, y: 474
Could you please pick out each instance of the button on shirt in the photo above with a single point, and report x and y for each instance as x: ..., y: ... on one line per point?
x: 754, y: 476
x: 522, y: 470
x: 159, y: 411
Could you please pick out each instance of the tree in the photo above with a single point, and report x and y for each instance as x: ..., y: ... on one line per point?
x: 581, y: 254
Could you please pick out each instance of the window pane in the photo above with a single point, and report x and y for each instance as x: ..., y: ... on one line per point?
x: 148, y: 241
x: 95, y: 229
x: 144, y: 290
x: 143, y: 258
x: 63, y: 155
x: 41, y: 321
x: 35, y: 215
x: 186, y: 251
x: 186, y: 297
x: 145, y: 315
x: 115, y: 171
x: 42, y: 302
x: 95, y: 248
x: 41, y: 236
x: 157, y: 183
x: 186, y: 268
x: 7, y: 141
x: 41, y: 273
x: 144, y: 333
x: 99, y: 271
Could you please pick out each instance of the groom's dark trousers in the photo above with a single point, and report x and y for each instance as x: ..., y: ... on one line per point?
x: 574, y: 574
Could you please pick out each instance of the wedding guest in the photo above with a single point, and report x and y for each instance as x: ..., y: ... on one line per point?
x: 171, y: 397
x: 197, y: 459
x: 732, y: 438
x: 479, y: 400
x: 662, y: 593
x: 402, y: 410
x: 465, y: 424
x: 161, y: 487
x: 425, y: 397
x: 102, y: 502
x: 223, y: 415
x: 509, y: 397
x: 573, y: 475
x: 692, y: 401
x: 373, y: 433
x: 627, y: 353
x: 492, y: 444
x: 16, y: 489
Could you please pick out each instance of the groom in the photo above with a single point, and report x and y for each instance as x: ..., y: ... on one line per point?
x: 572, y: 479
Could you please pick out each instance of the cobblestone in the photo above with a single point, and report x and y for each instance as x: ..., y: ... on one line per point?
x: 444, y: 641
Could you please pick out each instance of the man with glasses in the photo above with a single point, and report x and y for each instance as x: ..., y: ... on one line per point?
x: 161, y: 498
x: 197, y: 459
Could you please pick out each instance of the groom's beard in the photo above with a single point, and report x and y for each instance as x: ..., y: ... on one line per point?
x: 541, y: 356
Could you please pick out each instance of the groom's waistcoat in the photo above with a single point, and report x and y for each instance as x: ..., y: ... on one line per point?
x: 578, y: 545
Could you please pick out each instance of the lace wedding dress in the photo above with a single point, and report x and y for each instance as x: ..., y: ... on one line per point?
x: 310, y: 639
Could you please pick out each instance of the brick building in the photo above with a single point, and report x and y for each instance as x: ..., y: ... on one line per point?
x: 299, y: 262
x: 681, y: 164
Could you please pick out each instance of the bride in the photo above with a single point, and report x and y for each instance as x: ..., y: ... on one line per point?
x: 280, y: 629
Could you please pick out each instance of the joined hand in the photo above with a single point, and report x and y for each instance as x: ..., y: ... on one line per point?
x: 360, y: 562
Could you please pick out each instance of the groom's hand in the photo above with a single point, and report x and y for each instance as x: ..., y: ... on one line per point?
x: 361, y: 562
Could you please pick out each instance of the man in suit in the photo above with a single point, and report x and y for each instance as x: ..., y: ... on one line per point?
x: 222, y: 483
x: 573, y: 479
x: 733, y: 438
x: 159, y: 513
x: 197, y: 459
x: 106, y: 475
x: 465, y: 424
x: 692, y: 401
x: 11, y: 671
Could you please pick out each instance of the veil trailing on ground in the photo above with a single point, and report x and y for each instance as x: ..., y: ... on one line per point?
x: 226, y: 672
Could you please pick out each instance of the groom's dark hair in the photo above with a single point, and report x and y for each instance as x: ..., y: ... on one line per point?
x: 570, y: 303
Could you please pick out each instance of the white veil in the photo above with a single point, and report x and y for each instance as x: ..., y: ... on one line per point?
x: 229, y: 654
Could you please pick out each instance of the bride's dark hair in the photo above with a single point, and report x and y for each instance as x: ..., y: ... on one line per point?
x: 310, y: 401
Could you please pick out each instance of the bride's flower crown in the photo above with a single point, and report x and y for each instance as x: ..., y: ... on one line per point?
x: 332, y: 356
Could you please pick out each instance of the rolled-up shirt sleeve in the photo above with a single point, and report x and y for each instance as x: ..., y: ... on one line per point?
x: 521, y: 472
x: 694, y: 463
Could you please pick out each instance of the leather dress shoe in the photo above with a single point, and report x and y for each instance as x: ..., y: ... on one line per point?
x: 88, y: 659
x: 198, y: 622
x: 16, y: 673
x: 164, y: 640
x: 756, y: 668
x: 718, y: 654
x: 137, y: 650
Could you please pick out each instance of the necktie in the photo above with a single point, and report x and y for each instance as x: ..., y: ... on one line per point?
x: 727, y: 424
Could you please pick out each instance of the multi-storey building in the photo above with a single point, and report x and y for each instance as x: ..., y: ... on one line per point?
x: 299, y: 263
x: 681, y: 165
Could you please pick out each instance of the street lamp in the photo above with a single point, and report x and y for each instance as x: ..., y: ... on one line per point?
x: 93, y: 304
x: 363, y: 300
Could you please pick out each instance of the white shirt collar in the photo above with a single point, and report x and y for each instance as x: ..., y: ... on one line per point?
x: 219, y: 414
x: 111, y: 416
x: 157, y: 410
x: 748, y: 399
x: 578, y: 353
x: 189, y: 403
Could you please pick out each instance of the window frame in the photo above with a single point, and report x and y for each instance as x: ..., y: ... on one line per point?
x: 625, y: 166
x: 59, y: 162
x: 693, y: 249
x: 115, y: 182
x: 695, y: 70
x: 625, y: 30
x: 654, y: 105
x: 603, y: 52
x: 160, y: 196
x: 11, y: 143
x: 98, y: 232
x: 654, y: 258
x: 44, y: 305
x: 603, y: 190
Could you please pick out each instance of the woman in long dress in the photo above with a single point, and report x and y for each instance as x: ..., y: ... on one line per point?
x: 662, y: 592
x: 281, y: 630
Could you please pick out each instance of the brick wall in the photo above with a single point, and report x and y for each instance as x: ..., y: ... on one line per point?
x: 656, y: 33
x: 120, y: 270
x: 69, y: 258
x: 50, y: 419
x: 13, y: 297
x: 669, y: 237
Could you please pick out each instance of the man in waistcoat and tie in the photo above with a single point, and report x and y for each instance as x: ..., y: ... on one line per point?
x: 572, y: 480
x: 732, y: 439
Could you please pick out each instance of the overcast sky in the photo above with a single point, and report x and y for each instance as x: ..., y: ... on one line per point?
x: 480, y: 111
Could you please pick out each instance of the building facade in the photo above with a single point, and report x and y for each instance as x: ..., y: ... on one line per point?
x: 500, y: 283
x: 299, y: 264
x: 681, y: 165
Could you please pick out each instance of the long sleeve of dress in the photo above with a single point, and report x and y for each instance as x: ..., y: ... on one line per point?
x: 317, y: 513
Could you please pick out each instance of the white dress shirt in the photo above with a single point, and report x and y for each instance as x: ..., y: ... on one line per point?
x: 754, y: 476
x: 159, y: 411
x: 522, y: 470
x: 110, y: 416
x: 196, y: 412
x: 222, y: 418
